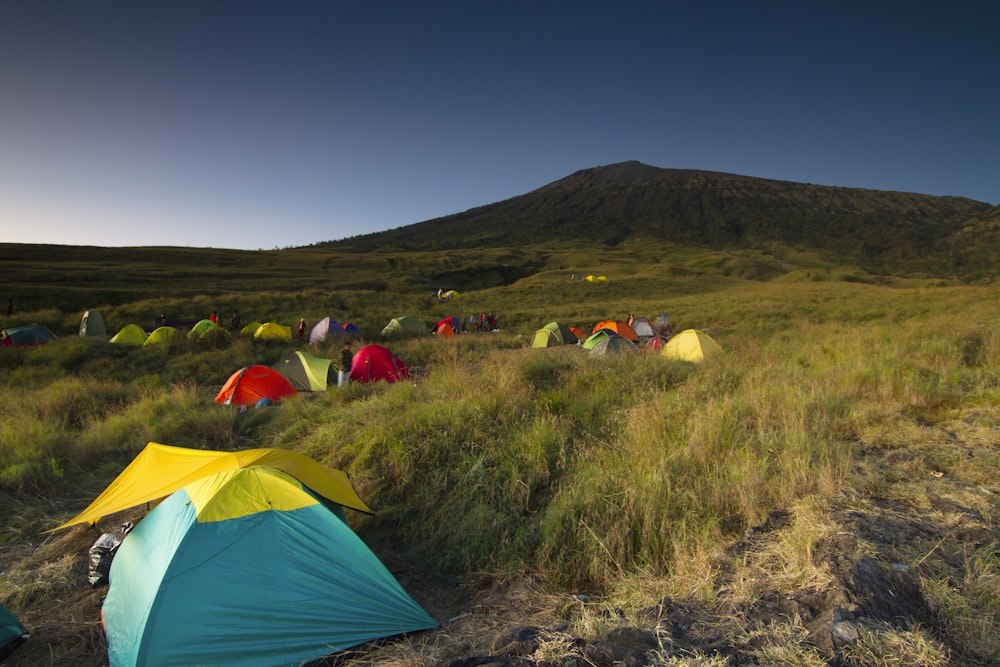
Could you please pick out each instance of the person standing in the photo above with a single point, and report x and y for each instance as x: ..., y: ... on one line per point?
x: 344, y: 376
x: 302, y: 328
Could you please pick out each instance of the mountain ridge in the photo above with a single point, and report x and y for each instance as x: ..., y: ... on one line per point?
x: 883, y: 231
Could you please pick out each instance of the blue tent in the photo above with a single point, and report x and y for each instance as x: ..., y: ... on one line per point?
x: 12, y: 633
x: 248, y: 567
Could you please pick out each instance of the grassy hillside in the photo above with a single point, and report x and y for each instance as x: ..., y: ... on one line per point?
x: 631, y: 479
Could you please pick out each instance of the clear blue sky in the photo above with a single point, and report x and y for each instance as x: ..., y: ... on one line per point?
x: 260, y: 124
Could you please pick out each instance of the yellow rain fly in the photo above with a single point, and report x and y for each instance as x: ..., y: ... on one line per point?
x: 159, y: 470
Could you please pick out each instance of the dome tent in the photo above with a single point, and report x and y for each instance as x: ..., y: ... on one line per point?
x: 250, y: 384
x: 691, y: 345
x: 374, y: 362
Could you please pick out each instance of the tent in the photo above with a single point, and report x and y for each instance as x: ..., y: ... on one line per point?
x: 92, y: 324
x: 352, y: 329
x: 250, y: 329
x: 304, y: 371
x: 373, y: 363
x: 655, y: 344
x: 447, y: 327
x: 252, y: 383
x: 199, y: 329
x: 450, y: 294
x: 25, y: 336
x: 596, y: 279
x: 620, y: 328
x: 12, y: 633
x: 326, y: 328
x: 248, y: 567
x: 594, y: 338
x: 554, y: 333
x: 160, y: 334
x: 130, y: 334
x: 642, y: 328
x: 578, y: 332
x: 691, y: 345
x: 404, y: 325
x: 273, y: 331
x: 612, y: 345
x: 160, y: 470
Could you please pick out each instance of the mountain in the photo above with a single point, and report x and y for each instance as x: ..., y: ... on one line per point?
x: 609, y: 205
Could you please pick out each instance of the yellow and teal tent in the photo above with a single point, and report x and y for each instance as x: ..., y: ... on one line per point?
x: 248, y: 566
x: 552, y: 334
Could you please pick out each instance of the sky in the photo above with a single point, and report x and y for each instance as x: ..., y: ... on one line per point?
x: 260, y: 125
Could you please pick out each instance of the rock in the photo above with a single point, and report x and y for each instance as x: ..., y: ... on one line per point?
x: 521, y: 640
x: 634, y: 638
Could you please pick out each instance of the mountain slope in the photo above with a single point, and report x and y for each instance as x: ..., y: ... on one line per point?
x: 880, y: 230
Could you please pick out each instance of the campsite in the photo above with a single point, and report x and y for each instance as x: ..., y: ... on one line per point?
x: 544, y: 504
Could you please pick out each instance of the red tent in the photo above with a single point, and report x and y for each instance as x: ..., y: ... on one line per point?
x: 250, y: 384
x: 373, y: 363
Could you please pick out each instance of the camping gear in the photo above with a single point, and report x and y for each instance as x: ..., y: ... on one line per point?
x: 691, y: 345
x: 613, y: 344
x: 159, y: 470
x: 373, y: 363
x: 130, y: 334
x: 160, y: 334
x: 248, y: 566
x: 554, y: 333
x: 404, y: 325
x: 28, y: 335
x: 304, y: 371
x: 352, y: 329
x: 101, y: 553
x: 12, y: 633
x: 252, y: 383
x: 273, y: 331
x: 92, y: 324
x: 326, y: 328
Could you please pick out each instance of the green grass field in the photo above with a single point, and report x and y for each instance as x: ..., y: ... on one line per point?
x: 498, y: 462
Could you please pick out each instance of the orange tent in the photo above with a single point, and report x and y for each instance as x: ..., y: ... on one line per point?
x: 620, y: 328
x: 250, y: 384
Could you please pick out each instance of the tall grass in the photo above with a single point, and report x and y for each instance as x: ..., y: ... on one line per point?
x: 496, y: 458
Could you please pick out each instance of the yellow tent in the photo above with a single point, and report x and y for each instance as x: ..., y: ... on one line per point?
x: 273, y: 331
x: 691, y: 345
x: 159, y: 470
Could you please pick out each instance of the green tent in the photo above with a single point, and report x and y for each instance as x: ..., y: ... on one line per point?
x: 554, y: 333
x: 92, y: 324
x: 405, y: 325
x: 160, y: 334
x: 199, y: 329
x: 250, y: 329
x: 130, y: 334
x: 304, y: 371
x: 12, y: 633
x: 612, y: 344
x: 597, y: 337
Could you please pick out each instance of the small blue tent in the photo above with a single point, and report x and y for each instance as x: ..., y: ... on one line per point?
x: 12, y: 633
x: 248, y: 567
